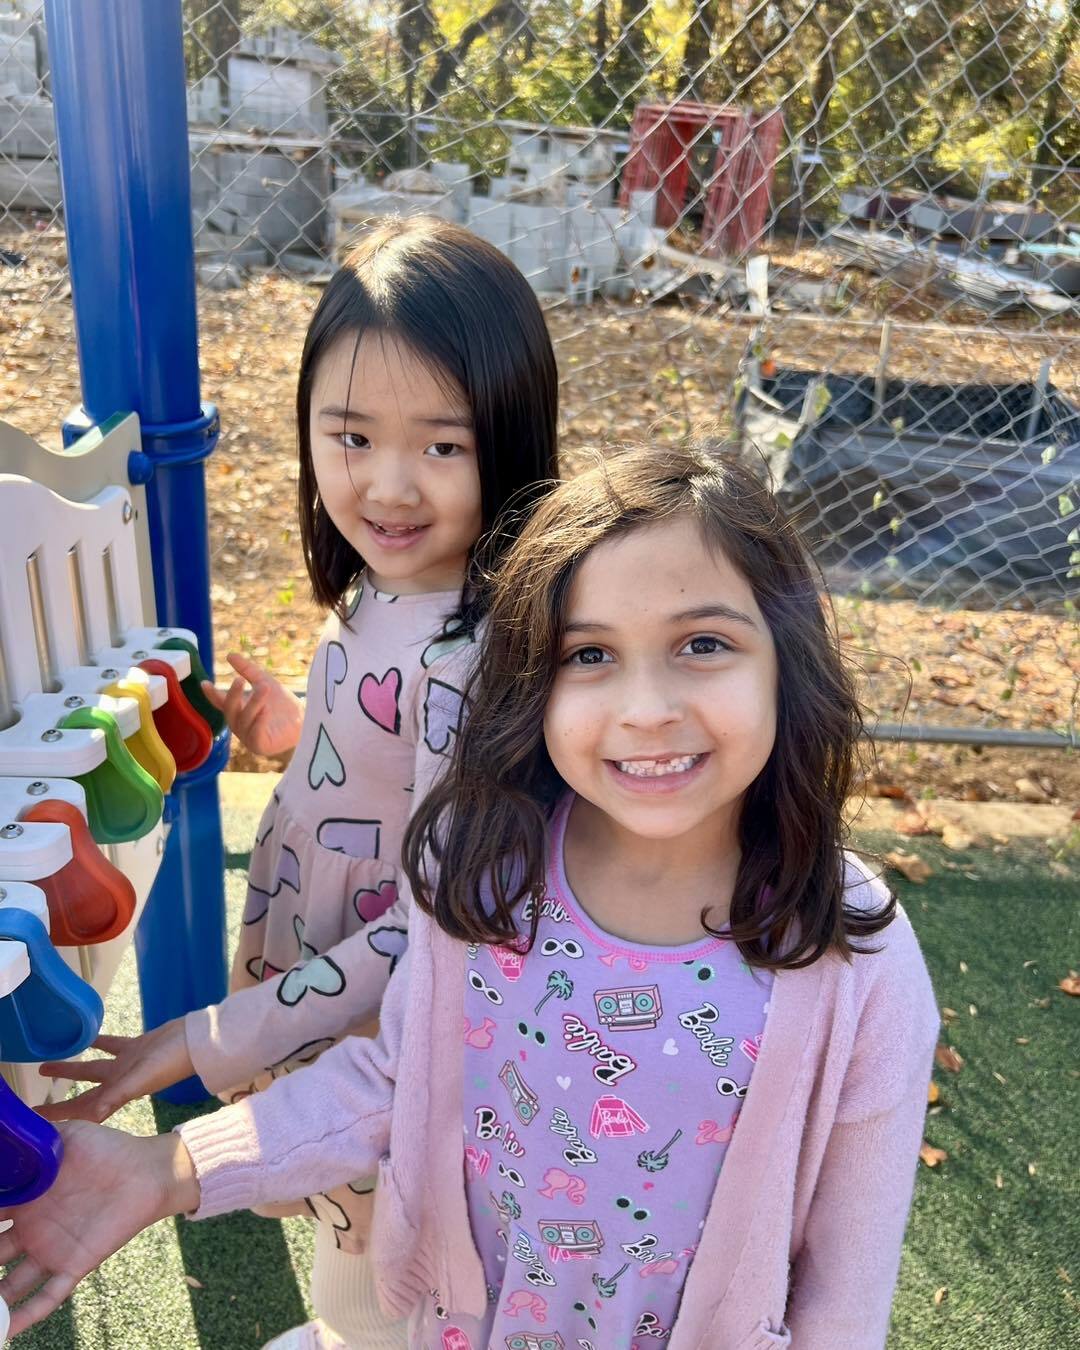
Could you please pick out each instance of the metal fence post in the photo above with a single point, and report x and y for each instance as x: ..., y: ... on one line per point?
x: 119, y: 91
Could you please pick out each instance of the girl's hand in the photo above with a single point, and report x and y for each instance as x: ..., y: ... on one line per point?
x: 110, y: 1187
x: 140, y: 1065
x: 266, y: 717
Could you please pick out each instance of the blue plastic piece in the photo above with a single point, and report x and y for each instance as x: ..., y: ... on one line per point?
x: 53, y: 1014
x: 31, y: 1151
x: 121, y: 119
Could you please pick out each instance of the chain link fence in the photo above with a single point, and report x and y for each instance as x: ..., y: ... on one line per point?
x: 845, y: 232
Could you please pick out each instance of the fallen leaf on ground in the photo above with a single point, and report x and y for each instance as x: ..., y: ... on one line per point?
x: 911, y: 823
x: 945, y: 1057
x: 933, y: 1092
x: 931, y: 1156
x: 193, y: 1282
x: 1032, y: 1169
x: 949, y: 1014
x: 910, y: 865
x: 1071, y: 984
x: 960, y: 840
x: 1000, y: 1077
x: 940, y: 1295
x: 999, y: 1182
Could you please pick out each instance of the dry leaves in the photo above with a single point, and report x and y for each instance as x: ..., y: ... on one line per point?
x: 931, y: 1156
x: 1071, y: 984
x: 910, y: 865
x: 940, y: 1295
x: 945, y: 1057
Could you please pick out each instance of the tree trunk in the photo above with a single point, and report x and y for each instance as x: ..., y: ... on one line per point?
x: 698, y: 51
x: 598, y: 83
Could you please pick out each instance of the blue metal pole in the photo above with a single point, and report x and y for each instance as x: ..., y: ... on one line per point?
x: 121, y: 122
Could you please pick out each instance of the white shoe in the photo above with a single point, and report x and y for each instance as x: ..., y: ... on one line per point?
x: 311, y: 1336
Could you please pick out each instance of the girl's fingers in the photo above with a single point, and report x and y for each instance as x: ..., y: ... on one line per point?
x: 93, y: 1105
x: 80, y: 1070
x: 47, y: 1299
x: 213, y: 694
x: 112, y: 1045
x: 243, y: 665
x: 23, y: 1280
x: 234, y: 701
x: 252, y: 708
x: 10, y: 1248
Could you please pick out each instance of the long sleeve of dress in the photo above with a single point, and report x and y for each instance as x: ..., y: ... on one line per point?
x: 313, y: 1130
x: 288, y: 1021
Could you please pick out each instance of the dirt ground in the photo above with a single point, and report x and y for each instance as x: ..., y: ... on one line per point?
x: 629, y: 373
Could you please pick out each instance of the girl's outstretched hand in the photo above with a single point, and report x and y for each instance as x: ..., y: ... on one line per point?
x: 110, y: 1187
x: 140, y: 1065
x: 260, y: 711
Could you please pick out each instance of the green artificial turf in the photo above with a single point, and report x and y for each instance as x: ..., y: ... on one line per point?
x: 1008, y: 1257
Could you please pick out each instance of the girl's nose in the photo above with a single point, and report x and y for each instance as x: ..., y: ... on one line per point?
x: 390, y: 484
x: 649, y: 699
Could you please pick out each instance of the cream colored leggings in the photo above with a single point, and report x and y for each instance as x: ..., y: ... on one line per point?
x: 343, y: 1295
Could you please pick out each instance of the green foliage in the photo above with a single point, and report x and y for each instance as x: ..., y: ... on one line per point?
x: 927, y: 93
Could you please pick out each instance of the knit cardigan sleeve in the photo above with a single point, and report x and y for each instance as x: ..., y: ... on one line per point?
x: 845, y: 1271
x: 315, y: 1129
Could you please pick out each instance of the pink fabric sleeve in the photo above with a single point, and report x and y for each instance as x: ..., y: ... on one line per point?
x: 313, y: 1130
x: 255, y: 1031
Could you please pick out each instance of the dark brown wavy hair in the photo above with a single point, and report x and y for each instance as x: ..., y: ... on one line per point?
x: 467, y: 311
x: 482, y: 832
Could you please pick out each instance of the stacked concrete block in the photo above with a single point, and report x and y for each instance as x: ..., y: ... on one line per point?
x: 286, y: 99
x: 532, y: 237
x: 264, y: 196
x: 458, y: 180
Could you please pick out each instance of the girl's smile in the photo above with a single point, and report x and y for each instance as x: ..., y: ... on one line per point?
x: 661, y: 774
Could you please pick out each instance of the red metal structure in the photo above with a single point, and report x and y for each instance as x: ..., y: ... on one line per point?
x: 705, y: 154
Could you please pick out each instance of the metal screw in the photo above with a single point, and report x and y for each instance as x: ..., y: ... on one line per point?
x: 73, y: 701
x: 11, y: 832
x: 110, y: 673
x: 139, y: 656
x: 51, y: 735
x: 164, y: 632
x: 37, y: 788
x: 128, y: 513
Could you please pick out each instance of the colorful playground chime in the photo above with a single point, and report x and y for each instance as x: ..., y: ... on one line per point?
x: 100, y: 710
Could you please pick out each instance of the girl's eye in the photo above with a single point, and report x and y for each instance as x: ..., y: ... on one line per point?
x: 587, y: 656
x: 706, y: 646
x: 443, y: 450
x: 352, y: 440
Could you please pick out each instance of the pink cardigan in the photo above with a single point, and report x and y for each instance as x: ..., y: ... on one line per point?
x: 802, y: 1242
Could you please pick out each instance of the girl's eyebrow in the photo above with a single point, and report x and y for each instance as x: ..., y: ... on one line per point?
x: 715, y: 611
x: 447, y: 419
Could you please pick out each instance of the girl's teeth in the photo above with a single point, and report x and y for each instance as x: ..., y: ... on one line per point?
x: 656, y: 768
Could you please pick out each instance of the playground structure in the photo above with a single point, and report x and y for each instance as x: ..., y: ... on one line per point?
x: 108, y: 751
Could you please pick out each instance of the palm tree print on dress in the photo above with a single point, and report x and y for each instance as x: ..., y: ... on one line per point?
x: 560, y: 985
x: 658, y: 1160
x: 607, y: 1285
